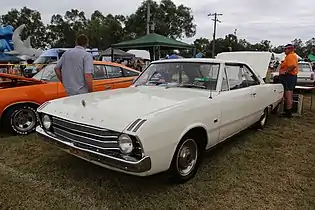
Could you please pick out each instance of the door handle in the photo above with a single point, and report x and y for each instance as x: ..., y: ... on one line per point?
x: 253, y: 94
x: 107, y: 87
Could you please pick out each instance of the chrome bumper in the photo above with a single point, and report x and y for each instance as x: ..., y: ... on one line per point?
x: 140, y: 166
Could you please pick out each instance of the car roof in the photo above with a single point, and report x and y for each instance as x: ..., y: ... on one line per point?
x: 198, y: 60
x: 107, y: 63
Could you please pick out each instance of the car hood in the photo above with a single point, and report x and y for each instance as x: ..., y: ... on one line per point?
x: 20, y: 78
x: 116, y: 109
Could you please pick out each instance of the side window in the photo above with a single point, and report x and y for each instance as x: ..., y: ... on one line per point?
x: 99, y: 72
x: 250, y: 78
x: 235, y: 76
x: 129, y: 73
x: 113, y: 71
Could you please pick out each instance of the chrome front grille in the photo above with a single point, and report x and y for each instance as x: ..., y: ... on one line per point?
x: 84, y: 136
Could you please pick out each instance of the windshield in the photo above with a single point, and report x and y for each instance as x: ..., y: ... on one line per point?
x: 45, y: 59
x: 180, y: 74
x: 304, y: 67
x: 47, y: 74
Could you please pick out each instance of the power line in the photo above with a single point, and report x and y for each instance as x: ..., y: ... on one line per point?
x: 214, y: 29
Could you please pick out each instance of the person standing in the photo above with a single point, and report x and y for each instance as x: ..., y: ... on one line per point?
x: 288, y: 77
x: 74, y: 69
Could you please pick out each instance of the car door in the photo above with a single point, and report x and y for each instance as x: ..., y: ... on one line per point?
x: 258, y: 95
x: 235, y: 98
x: 101, y: 81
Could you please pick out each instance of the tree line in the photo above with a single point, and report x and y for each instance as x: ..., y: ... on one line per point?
x: 103, y: 30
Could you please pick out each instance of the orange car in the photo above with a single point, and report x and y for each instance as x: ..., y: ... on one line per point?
x: 20, y: 96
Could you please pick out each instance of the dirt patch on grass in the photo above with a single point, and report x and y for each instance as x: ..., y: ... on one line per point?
x: 269, y: 169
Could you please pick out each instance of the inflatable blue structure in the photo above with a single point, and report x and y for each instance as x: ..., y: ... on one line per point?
x: 6, y: 44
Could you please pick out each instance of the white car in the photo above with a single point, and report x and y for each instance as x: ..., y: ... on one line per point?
x: 175, y: 110
x: 305, y: 76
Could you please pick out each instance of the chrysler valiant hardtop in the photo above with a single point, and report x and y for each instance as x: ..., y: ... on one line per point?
x: 174, y: 111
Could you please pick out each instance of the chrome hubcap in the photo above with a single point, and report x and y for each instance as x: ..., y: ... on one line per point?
x: 187, y: 157
x: 24, y: 120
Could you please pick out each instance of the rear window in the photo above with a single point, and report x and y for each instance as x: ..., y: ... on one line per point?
x: 305, y: 67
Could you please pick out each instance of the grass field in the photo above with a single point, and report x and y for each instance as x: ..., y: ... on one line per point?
x: 269, y: 169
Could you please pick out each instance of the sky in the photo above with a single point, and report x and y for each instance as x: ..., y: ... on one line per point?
x: 255, y: 20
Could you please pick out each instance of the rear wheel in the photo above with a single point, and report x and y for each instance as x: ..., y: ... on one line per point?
x: 263, y: 120
x: 276, y: 110
x: 20, y: 119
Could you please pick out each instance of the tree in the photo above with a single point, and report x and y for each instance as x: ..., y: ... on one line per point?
x: 203, y: 45
x: 101, y: 30
x: 299, y: 47
x: 64, y: 30
x: 168, y: 20
x: 34, y: 26
x: 105, y: 30
x: 310, y: 46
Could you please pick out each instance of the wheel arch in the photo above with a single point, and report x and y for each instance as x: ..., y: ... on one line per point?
x: 30, y: 103
x: 199, y: 131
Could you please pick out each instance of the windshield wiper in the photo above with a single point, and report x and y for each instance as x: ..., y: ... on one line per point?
x: 192, y: 86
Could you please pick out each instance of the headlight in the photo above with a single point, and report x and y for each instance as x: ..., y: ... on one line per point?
x: 125, y: 144
x: 46, y: 121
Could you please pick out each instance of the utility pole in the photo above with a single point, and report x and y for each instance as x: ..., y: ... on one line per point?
x: 214, y: 30
x: 148, y: 17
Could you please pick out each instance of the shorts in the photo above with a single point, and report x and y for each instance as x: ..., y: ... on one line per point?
x: 288, y: 81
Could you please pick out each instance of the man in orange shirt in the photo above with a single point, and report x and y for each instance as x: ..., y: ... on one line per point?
x: 288, y: 77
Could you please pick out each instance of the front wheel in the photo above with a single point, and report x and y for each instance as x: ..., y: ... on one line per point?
x: 20, y: 119
x: 186, y: 161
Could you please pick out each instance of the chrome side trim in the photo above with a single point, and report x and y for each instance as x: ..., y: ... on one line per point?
x: 139, y: 125
x: 133, y: 124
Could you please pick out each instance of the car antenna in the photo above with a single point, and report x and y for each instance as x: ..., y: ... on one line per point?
x: 211, y: 70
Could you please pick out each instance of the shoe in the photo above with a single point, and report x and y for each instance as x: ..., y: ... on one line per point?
x: 287, y: 113
x: 284, y: 113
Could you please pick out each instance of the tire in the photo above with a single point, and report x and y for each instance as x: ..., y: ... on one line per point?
x: 263, y: 120
x: 276, y: 110
x: 186, y: 151
x: 20, y: 119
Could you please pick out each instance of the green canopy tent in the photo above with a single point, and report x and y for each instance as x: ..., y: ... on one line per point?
x: 153, y: 42
x: 311, y: 57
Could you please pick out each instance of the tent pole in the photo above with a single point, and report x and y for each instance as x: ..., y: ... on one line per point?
x: 112, y: 54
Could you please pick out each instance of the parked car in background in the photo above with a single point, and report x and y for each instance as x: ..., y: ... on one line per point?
x: 305, y: 76
x: 174, y: 111
x: 20, y: 96
x: 49, y: 56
